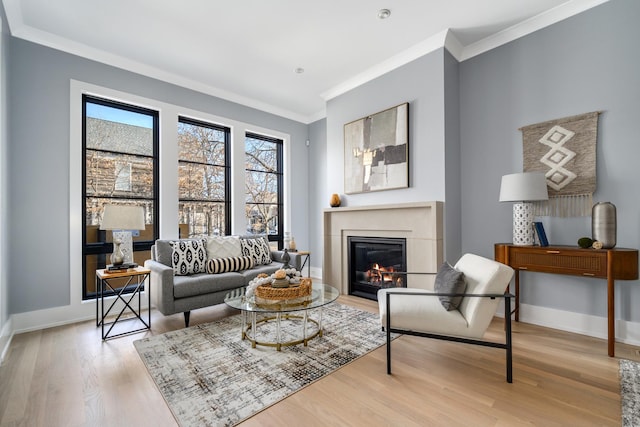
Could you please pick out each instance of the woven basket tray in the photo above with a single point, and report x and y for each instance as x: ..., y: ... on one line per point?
x: 267, y: 292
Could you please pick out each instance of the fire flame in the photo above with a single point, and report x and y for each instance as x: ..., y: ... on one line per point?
x: 377, y: 275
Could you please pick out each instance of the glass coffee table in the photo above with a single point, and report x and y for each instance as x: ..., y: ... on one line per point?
x: 300, y: 326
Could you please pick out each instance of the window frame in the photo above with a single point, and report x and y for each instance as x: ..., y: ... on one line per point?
x: 107, y: 247
x: 227, y: 167
x: 279, y: 236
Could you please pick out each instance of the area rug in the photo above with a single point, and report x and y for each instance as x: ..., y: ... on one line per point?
x: 210, y: 377
x: 630, y: 392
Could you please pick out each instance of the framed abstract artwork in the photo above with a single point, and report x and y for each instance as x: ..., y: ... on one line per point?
x: 376, y: 151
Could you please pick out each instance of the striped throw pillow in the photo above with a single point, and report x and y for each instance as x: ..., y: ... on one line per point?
x: 223, y: 265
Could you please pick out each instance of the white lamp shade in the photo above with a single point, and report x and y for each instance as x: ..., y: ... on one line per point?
x: 121, y: 217
x: 523, y: 187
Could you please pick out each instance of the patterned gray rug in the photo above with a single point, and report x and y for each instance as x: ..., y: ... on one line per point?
x: 210, y: 377
x: 630, y: 392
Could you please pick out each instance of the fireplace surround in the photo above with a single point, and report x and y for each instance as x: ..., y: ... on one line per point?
x: 419, y: 223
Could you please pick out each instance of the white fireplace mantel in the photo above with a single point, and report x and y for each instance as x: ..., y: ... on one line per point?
x: 419, y: 223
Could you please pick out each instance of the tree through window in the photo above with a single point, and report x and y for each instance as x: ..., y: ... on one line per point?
x: 204, y: 206
x: 263, y: 186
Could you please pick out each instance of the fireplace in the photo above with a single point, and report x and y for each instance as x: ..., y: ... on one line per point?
x: 372, y: 262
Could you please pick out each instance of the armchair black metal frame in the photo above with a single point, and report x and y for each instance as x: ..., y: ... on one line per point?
x: 507, y: 327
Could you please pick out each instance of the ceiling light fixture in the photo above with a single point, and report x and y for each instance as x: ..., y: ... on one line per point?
x: 299, y: 70
x: 384, y: 13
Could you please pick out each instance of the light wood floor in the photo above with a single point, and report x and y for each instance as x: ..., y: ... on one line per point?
x: 67, y: 376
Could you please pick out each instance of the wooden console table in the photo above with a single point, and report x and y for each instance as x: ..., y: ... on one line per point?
x: 610, y: 264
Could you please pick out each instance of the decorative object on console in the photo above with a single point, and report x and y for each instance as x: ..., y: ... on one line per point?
x: 585, y: 242
x: 123, y: 218
x: 334, y: 201
x: 523, y: 188
x: 542, y: 236
x: 565, y: 151
x: 604, y: 224
x: 376, y: 151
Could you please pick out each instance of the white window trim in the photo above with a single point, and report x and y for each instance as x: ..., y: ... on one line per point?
x: 168, y: 185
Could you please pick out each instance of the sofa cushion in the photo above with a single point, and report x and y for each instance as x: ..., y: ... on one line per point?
x: 223, y: 247
x: 223, y: 265
x: 449, y: 281
x: 258, y: 248
x: 164, y: 250
x: 203, y: 283
x: 188, y: 256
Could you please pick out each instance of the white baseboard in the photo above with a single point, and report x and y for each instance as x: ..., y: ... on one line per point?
x: 6, y: 334
x: 626, y: 332
x: 584, y: 324
x: 57, y: 316
x: 316, y: 272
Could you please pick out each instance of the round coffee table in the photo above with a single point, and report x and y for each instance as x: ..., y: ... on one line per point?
x: 321, y: 295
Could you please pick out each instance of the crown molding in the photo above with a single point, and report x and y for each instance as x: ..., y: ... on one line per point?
x: 531, y: 25
x: 445, y: 39
x: 448, y: 40
x: 20, y: 30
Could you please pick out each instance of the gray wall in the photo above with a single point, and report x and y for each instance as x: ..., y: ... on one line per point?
x: 39, y: 162
x: 463, y: 138
x: 589, y: 62
x: 318, y: 192
x: 4, y: 182
x: 453, y: 205
x: 420, y: 83
x: 430, y: 85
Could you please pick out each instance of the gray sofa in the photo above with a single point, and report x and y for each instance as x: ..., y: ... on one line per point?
x: 173, y: 294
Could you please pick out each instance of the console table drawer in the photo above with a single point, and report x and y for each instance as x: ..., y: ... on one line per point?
x: 559, y: 261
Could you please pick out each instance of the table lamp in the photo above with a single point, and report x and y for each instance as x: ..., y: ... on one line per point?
x: 523, y: 188
x: 125, y: 218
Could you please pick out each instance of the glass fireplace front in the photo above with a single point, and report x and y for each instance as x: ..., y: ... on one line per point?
x: 372, y: 263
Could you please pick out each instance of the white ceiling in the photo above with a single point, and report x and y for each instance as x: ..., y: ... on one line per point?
x: 246, y: 51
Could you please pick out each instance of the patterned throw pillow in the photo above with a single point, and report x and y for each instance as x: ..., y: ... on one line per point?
x: 223, y: 247
x: 256, y: 248
x: 223, y: 265
x: 188, y: 256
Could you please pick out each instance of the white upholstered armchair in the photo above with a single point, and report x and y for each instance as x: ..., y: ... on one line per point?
x: 460, y: 308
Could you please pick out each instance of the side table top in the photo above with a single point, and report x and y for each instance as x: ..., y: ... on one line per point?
x: 105, y: 274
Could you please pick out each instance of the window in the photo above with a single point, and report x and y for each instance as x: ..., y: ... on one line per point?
x: 123, y: 176
x: 120, y: 150
x: 263, y: 187
x: 204, y: 206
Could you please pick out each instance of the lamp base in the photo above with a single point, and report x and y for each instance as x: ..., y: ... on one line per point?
x: 117, y: 257
x: 523, y: 224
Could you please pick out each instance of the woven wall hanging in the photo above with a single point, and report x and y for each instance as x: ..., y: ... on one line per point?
x: 565, y: 150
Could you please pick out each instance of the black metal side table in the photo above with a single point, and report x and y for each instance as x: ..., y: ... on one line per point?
x: 307, y: 259
x: 135, y: 279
